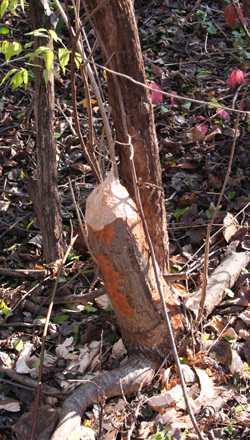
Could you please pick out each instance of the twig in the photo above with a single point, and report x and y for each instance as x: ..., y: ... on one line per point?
x: 74, y: 39
x: 44, y: 336
x: 169, y: 95
x: 67, y: 119
x: 95, y: 89
x: 166, y: 316
x: 80, y: 220
x: 197, y: 4
x: 207, y: 245
x: 28, y: 381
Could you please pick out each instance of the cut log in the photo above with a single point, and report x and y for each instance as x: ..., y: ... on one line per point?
x: 117, y: 240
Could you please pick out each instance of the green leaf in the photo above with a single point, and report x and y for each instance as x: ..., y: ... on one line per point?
x: 4, y: 6
x: 17, y: 80
x: 109, y: 308
x: 208, y: 214
x: 75, y: 435
x: 203, y: 74
x: 5, y: 310
x: 13, y: 5
x: 7, y: 75
x: 247, y: 368
x: 228, y: 430
x: 36, y: 364
x: 18, y: 344
x: 25, y: 78
x: 55, y: 36
x: 4, y: 30
x: 57, y: 135
x: 60, y: 318
x: 63, y: 55
x: 215, y: 102
x: 239, y: 408
x: 231, y: 195
x: 76, y: 329
x: 186, y: 104
x: 90, y: 308
x: 45, y: 76
x: 55, y: 73
x: 230, y: 340
x: 179, y: 212
x: 39, y: 33
x: 22, y: 5
x: 28, y: 45
x: 229, y: 293
x: 72, y: 256
x: 48, y: 57
x: 30, y: 224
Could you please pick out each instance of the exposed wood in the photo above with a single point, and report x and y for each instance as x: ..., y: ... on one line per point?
x: 44, y: 191
x: 117, y: 240
x: 117, y: 28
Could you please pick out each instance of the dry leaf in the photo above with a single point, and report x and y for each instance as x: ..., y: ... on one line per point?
x: 230, y: 223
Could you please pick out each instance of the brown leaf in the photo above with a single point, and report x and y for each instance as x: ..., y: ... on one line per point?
x: 156, y: 69
x: 230, y: 223
x: 187, y: 199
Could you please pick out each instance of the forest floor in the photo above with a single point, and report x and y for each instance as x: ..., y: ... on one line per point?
x: 190, y: 59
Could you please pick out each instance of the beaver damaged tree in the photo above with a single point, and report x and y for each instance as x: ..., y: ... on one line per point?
x: 117, y: 239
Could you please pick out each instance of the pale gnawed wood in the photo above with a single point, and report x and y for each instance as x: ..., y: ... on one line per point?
x: 118, y: 242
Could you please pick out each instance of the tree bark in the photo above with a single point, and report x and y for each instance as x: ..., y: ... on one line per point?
x: 117, y: 29
x: 246, y: 4
x: 44, y: 191
x: 116, y: 237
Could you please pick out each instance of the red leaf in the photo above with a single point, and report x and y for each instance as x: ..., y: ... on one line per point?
x: 202, y: 127
x: 156, y: 97
x: 173, y: 100
x: 231, y: 17
x: 236, y: 78
x: 222, y: 113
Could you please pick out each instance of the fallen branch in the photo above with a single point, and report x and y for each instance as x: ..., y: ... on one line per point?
x: 223, y: 277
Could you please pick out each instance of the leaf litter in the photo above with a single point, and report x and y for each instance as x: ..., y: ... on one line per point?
x: 206, y: 59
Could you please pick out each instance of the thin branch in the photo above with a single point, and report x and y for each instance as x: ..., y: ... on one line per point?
x: 159, y: 286
x: 95, y: 90
x: 80, y: 220
x: 45, y: 330
x: 169, y: 95
x: 207, y: 245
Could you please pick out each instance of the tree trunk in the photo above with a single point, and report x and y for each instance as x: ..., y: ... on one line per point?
x: 117, y: 29
x: 246, y: 4
x: 118, y: 242
x: 44, y: 191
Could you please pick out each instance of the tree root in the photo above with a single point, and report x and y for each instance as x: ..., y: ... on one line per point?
x: 139, y: 371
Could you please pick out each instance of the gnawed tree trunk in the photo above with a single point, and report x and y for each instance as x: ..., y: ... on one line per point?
x: 117, y: 28
x: 44, y: 191
x: 117, y: 240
